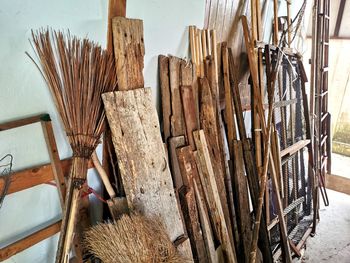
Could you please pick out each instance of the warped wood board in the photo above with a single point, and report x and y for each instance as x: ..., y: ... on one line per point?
x: 338, y: 183
x: 177, y: 119
x: 163, y: 64
x: 129, y: 51
x: 212, y: 194
x: 141, y: 156
x: 209, y: 125
x: 190, y: 114
x: 173, y: 144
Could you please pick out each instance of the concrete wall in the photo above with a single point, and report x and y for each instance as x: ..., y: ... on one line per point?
x: 23, y: 93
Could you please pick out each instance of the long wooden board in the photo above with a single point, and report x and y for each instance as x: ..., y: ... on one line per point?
x: 129, y: 51
x: 177, y: 118
x: 163, y: 64
x: 212, y: 194
x: 141, y: 156
x: 29, y: 241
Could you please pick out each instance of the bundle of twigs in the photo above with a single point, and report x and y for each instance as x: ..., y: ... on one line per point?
x: 77, y: 72
x: 132, y: 238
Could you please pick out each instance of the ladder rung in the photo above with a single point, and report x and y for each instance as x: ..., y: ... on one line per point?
x: 324, y: 139
x: 324, y: 116
x: 324, y: 93
x: 324, y: 161
x: 325, y: 16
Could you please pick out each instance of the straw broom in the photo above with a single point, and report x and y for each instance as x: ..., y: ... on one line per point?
x: 132, y: 238
x: 77, y: 72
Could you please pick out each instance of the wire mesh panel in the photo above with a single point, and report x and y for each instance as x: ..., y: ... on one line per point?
x: 296, y: 186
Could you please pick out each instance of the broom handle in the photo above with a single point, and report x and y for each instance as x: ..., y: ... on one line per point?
x: 103, y: 175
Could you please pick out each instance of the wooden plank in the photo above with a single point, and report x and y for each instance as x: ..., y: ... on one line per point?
x: 129, y: 51
x: 209, y: 125
x: 212, y: 193
x: 294, y: 148
x: 22, y: 122
x: 141, y: 156
x: 205, y: 224
x: 115, y: 8
x: 248, y: 156
x: 242, y: 199
x: 29, y: 241
x: 177, y: 118
x: 163, y: 64
x: 174, y: 143
x: 190, y: 114
x: 338, y: 183
x: 189, y: 173
x: 190, y: 212
x: 55, y: 160
x: 31, y: 177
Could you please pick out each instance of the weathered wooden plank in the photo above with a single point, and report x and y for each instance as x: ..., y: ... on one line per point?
x: 294, y: 148
x: 209, y: 125
x: 29, y: 241
x: 141, y: 156
x: 115, y: 8
x: 338, y: 183
x: 190, y: 114
x: 205, y: 223
x: 190, y: 212
x: 212, y: 193
x: 177, y: 118
x: 174, y: 143
x: 129, y: 51
x: 189, y: 173
x: 242, y: 199
x: 163, y: 64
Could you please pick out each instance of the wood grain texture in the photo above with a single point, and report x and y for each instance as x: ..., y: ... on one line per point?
x: 177, y: 118
x: 29, y: 241
x: 142, y: 160
x: 129, y: 52
x: 173, y: 144
x: 209, y: 125
x: 163, y: 65
x: 115, y: 8
x: 205, y: 224
x: 190, y: 113
x: 212, y: 194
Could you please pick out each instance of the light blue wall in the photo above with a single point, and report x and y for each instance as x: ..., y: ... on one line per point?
x: 23, y: 92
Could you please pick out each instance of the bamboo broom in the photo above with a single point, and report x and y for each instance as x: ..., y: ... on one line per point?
x: 77, y: 72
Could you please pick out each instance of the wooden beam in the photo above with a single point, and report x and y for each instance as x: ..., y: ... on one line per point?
x: 142, y: 159
x: 339, y: 18
x: 31, y: 177
x: 338, y: 183
x: 129, y: 51
x: 22, y: 122
x: 294, y: 148
x: 29, y: 241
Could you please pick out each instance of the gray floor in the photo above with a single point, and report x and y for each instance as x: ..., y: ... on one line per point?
x: 332, y: 240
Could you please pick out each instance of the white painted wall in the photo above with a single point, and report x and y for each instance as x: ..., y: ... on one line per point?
x: 23, y: 92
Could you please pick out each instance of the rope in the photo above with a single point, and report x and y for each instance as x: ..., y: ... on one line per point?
x: 85, y: 193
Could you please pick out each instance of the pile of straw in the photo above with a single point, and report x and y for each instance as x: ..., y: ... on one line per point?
x: 133, y: 238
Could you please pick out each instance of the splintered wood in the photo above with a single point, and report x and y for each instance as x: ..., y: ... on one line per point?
x: 143, y: 163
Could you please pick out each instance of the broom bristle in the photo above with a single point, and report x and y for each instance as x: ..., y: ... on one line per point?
x: 132, y: 238
x: 77, y: 72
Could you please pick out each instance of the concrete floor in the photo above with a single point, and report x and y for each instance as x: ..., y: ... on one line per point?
x: 341, y: 165
x: 332, y: 240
